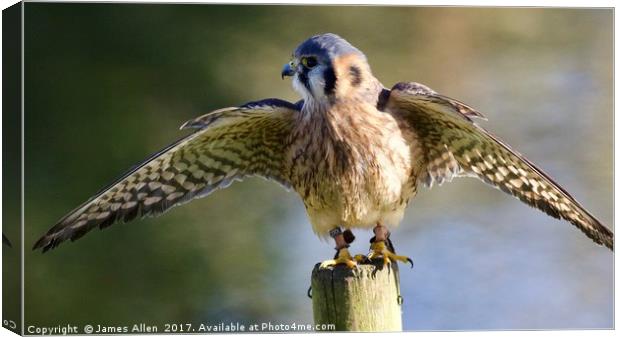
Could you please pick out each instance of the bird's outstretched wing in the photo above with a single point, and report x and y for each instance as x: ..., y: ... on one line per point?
x: 455, y: 146
x: 230, y: 144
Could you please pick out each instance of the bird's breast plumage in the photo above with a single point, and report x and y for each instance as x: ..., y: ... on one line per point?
x: 352, y: 167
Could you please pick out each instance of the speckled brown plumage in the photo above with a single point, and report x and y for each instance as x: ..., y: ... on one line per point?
x: 230, y: 144
x: 354, y: 151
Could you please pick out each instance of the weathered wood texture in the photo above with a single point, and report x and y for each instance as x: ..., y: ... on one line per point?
x: 366, y: 299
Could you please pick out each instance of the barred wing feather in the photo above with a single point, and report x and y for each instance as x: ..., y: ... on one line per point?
x: 230, y: 144
x: 455, y: 146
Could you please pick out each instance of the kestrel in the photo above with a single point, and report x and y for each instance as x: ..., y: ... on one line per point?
x: 353, y: 150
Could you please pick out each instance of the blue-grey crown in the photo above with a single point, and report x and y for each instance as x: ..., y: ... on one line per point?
x: 328, y: 45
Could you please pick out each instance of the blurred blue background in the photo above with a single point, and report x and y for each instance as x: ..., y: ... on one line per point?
x: 108, y: 84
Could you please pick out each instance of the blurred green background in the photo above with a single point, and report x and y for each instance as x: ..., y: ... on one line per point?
x: 108, y: 84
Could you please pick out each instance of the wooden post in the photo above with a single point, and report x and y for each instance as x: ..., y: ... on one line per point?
x: 365, y: 299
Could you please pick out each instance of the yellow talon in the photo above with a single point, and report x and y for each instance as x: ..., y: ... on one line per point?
x: 379, y: 250
x: 344, y: 257
x: 360, y: 258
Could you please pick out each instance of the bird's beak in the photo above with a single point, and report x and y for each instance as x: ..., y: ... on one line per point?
x: 287, y: 70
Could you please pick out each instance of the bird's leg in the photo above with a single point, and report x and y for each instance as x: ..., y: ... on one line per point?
x: 381, y: 247
x: 349, y: 238
x: 342, y: 249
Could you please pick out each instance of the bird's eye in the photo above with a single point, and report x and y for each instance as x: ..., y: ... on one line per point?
x: 309, y: 62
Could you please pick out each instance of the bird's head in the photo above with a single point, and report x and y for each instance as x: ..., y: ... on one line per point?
x: 326, y: 67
